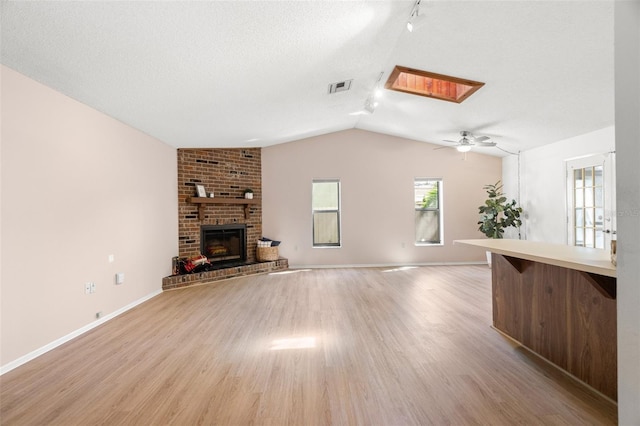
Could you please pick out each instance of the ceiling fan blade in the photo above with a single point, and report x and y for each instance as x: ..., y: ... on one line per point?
x: 469, y: 140
x: 487, y: 144
x: 441, y: 147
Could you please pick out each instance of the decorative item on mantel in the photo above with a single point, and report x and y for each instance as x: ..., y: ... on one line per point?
x: 248, y: 194
x: 200, y: 191
x: 267, y: 250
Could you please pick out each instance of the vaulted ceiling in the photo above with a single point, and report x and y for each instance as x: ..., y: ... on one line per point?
x: 256, y: 73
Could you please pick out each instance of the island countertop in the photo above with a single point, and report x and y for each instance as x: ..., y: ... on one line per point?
x: 595, y: 261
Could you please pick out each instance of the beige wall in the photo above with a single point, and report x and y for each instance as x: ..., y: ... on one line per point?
x: 77, y: 186
x: 376, y: 173
x: 627, y: 31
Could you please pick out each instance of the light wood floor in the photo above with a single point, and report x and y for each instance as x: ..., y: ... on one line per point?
x: 387, y: 347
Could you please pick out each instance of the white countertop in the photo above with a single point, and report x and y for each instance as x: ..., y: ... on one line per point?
x: 585, y: 259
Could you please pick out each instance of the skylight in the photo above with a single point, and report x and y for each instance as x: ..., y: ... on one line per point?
x: 431, y: 85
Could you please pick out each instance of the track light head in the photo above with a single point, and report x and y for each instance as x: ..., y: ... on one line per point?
x: 370, y: 104
x: 414, y: 13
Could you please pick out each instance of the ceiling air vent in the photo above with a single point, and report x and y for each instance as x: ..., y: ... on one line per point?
x: 341, y: 86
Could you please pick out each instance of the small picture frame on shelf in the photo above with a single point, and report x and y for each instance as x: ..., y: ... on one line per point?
x: 201, y: 191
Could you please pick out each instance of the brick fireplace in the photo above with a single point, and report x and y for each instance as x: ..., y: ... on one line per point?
x: 227, y: 173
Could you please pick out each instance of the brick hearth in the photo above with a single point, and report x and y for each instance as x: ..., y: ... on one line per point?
x: 179, y: 281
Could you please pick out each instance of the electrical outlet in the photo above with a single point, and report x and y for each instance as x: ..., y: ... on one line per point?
x: 98, y: 314
x: 87, y: 288
x: 93, y: 287
x: 111, y: 258
x: 119, y: 278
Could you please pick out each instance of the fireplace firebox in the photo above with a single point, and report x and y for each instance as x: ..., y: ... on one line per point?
x: 223, y: 244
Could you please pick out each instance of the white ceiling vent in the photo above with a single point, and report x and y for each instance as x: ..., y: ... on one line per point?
x: 341, y: 86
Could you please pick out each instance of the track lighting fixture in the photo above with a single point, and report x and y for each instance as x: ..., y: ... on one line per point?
x: 414, y: 12
x: 372, y: 100
x: 370, y: 105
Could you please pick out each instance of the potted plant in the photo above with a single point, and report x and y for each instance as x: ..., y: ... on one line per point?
x: 497, y: 214
x: 248, y: 193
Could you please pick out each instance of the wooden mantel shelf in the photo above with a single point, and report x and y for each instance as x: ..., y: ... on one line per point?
x: 203, y: 201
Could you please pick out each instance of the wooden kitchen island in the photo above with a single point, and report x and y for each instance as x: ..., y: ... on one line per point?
x: 558, y: 301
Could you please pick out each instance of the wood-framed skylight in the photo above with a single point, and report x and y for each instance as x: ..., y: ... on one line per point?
x: 431, y: 85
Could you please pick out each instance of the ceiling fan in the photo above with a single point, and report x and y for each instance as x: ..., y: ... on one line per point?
x: 469, y: 141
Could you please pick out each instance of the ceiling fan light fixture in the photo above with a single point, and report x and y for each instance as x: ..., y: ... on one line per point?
x: 463, y: 148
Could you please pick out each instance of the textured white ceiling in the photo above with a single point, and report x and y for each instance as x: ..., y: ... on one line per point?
x: 256, y: 73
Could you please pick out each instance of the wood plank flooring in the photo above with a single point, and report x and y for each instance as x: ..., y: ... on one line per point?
x: 367, y: 346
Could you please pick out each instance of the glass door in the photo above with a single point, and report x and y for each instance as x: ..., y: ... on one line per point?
x: 591, y: 201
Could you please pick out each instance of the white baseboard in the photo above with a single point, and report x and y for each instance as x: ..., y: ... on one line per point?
x: 385, y: 265
x: 64, y: 339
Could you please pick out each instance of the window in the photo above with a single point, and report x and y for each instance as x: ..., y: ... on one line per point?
x: 326, y: 213
x: 428, y: 210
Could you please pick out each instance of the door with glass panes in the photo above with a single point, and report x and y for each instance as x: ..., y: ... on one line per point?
x: 591, y: 201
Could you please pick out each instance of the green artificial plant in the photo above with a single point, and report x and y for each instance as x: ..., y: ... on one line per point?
x: 497, y: 213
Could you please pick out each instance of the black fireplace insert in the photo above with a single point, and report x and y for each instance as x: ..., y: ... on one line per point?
x: 224, y: 244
